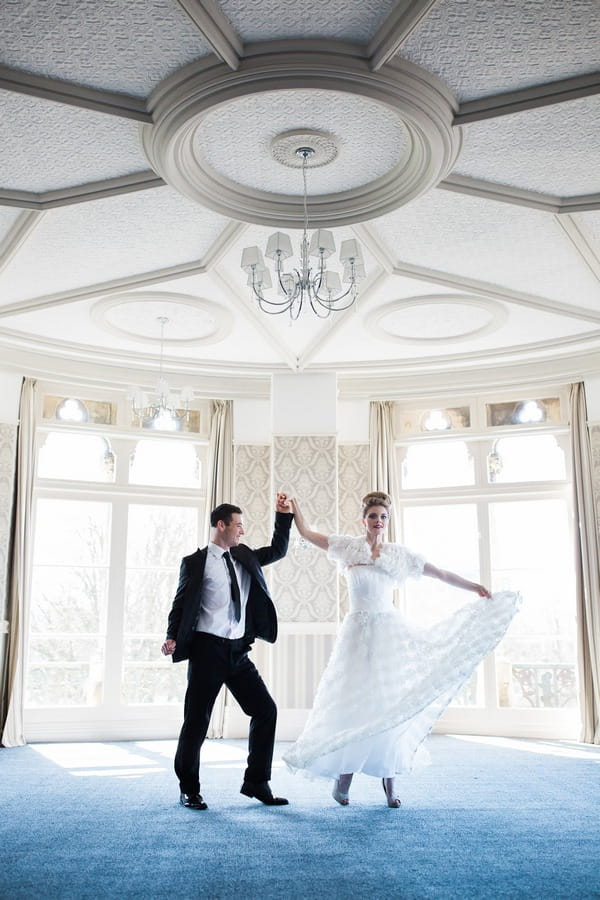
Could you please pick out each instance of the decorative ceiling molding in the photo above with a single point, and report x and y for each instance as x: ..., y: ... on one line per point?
x: 192, y: 320
x: 459, y: 317
x: 131, y: 282
x: 74, y: 94
x: 422, y: 101
x: 215, y: 29
x: 229, y: 235
x: 327, y: 334
x: 493, y: 291
x: 504, y: 193
x: 398, y: 384
x: 528, y: 98
x: 577, y: 232
x: 17, y: 236
x: 256, y: 319
x: 401, y: 22
x: 82, y: 193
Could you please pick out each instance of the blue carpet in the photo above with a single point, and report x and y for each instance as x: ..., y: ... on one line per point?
x: 495, y: 818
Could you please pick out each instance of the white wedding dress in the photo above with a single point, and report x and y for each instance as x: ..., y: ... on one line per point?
x: 387, y: 680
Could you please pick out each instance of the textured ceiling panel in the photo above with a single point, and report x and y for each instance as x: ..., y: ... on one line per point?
x: 554, y: 150
x: 119, y: 45
x: 591, y: 222
x: 8, y: 217
x: 50, y: 146
x: 235, y: 139
x: 93, y: 242
x: 349, y: 20
x: 481, y: 47
x: 506, y: 245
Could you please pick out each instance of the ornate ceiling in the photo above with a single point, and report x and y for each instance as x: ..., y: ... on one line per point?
x: 141, y: 151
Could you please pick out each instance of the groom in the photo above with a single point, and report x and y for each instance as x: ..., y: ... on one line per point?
x: 221, y: 605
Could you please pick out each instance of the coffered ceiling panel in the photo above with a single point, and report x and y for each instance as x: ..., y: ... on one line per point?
x: 43, y: 135
x: 349, y: 20
x: 491, y: 46
x: 117, y: 45
x: 520, y: 249
x: 554, y: 150
x: 81, y: 245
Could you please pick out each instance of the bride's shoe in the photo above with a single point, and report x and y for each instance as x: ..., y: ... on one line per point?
x: 342, y: 798
x: 393, y: 801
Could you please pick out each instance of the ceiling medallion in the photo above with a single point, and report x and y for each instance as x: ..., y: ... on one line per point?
x: 285, y: 146
x: 420, y: 102
x: 436, y: 318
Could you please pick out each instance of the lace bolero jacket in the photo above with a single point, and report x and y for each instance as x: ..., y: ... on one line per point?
x: 396, y: 561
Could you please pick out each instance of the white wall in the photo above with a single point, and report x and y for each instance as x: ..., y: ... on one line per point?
x: 304, y: 403
x: 10, y: 393
x: 592, y: 397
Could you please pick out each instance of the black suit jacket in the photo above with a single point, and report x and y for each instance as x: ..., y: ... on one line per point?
x: 261, y: 618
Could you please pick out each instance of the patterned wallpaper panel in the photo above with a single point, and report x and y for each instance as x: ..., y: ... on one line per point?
x: 305, y: 582
x: 8, y: 443
x: 254, y: 492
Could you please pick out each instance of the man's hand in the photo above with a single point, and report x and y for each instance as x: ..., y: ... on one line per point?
x: 168, y: 647
x: 282, y: 503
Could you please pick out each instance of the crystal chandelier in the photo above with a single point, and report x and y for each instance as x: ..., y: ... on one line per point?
x: 165, y: 410
x: 318, y: 286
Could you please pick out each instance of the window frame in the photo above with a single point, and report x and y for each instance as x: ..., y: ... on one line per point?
x: 111, y: 719
x: 480, y: 438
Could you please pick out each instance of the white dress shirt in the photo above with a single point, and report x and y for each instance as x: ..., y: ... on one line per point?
x: 216, y: 611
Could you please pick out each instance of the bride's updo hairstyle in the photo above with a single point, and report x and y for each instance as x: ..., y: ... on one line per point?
x: 375, y: 498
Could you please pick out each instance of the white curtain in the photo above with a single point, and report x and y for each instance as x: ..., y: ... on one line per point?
x: 13, y: 733
x: 382, y: 458
x: 219, y: 490
x: 587, y: 566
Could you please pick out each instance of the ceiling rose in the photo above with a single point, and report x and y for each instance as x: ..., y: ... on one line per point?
x: 178, y: 148
x: 285, y: 147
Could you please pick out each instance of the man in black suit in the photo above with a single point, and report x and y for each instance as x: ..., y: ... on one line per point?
x: 221, y: 605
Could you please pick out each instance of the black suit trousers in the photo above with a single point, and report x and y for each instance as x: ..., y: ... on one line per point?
x: 215, y: 662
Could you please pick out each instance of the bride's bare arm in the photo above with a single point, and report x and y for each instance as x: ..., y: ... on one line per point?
x: 455, y: 580
x: 319, y: 540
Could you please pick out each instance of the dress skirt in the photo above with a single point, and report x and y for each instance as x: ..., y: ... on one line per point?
x: 388, y: 680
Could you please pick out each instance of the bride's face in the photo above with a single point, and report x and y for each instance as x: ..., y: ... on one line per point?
x: 376, y: 521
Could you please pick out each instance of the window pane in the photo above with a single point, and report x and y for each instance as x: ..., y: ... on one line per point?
x: 523, y: 412
x: 437, y: 464
x: 531, y: 552
x: 447, y: 536
x: 69, y: 592
x: 531, y: 457
x: 165, y: 464
x: 76, y: 457
x: 158, y: 536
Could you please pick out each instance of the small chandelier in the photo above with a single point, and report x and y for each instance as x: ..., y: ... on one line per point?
x: 318, y: 286
x: 165, y: 410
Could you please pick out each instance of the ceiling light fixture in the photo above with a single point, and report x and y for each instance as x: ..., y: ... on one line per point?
x: 167, y: 409
x: 319, y: 287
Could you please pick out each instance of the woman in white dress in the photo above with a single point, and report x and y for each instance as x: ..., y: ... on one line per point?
x: 387, y: 680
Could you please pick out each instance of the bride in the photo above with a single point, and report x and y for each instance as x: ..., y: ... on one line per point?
x: 387, y: 680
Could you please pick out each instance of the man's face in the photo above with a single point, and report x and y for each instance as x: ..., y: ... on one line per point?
x: 232, y: 533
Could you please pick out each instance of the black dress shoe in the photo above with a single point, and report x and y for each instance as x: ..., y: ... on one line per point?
x: 262, y: 792
x: 192, y: 801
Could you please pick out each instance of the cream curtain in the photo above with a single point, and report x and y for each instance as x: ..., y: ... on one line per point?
x: 587, y: 565
x: 13, y: 731
x: 219, y: 489
x: 382, y: 459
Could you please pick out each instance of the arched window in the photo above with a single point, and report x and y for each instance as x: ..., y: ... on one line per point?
x: 76, y: 457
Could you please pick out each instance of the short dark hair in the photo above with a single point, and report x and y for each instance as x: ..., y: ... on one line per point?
x: 223, y: 513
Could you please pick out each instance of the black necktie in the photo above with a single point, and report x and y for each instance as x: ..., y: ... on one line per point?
x: 235, y: 588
